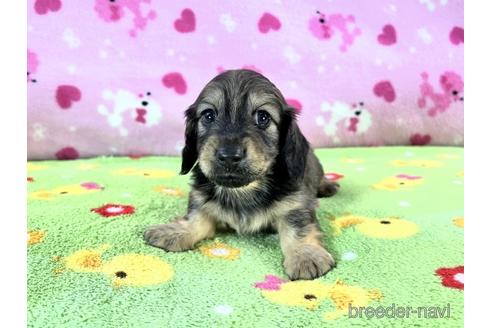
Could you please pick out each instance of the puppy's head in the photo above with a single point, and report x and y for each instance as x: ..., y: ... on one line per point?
x: 240, y: 129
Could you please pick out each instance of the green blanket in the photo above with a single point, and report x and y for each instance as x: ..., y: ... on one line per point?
x: 395, y: 229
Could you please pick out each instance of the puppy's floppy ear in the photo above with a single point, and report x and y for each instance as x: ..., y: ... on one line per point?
x: 190, y: 152
x: 294, y: 147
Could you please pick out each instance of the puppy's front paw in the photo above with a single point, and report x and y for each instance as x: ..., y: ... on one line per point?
x: 173, y: 237
x: 327, y: 188
x: 308, y: 262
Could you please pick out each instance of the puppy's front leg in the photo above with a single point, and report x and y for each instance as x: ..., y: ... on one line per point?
x: 181, y: 234
x: 300, y: 240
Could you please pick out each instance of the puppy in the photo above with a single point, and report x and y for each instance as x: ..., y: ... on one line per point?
x: 255, y: 171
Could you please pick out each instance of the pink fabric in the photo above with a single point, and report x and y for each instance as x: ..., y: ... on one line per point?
x: 114, y: 77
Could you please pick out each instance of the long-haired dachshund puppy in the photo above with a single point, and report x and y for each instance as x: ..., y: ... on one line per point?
x: 256, y: 171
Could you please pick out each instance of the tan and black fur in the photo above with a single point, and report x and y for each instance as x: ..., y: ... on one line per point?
x: 250, y: 175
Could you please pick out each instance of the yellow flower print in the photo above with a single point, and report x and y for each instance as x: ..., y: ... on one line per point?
x: 87, y: 166
x: 220, y: 251
x: 344, y: 296
x: 388, y: 228
x: 169, y: 191
x: 459, y: 222
x: 418, y: 163
x: 135, y: 270
x: 349, y: 160
x: 447, y: 156
x: 303, y: 293
x: 146, y: 173
x: 35, y: 167
x: 86, y: 260
x: 399, y: 182
x: 76, y: 189
x: 381, y: 228
x: 309, y: 294
x: 35, y: 237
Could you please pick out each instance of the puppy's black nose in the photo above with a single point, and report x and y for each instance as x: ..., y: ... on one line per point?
x: 230, y: 154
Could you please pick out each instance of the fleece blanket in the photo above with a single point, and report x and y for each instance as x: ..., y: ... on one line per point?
x: 395, y: 229
x: 114, y: 77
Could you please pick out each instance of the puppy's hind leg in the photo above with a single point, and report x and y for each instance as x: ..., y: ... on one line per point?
x: 181, y: 234
x: 327, y: 188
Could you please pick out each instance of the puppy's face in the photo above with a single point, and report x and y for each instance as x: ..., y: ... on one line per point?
x: 234, y: 129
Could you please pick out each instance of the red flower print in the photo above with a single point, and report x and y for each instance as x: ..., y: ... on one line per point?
x: 333, y: 176
x: 114, y: 210
x: 30, y: 179
x: 452, y: 277
x: 91, y: 185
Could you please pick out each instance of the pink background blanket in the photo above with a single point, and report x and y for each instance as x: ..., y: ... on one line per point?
x: 113, y: 77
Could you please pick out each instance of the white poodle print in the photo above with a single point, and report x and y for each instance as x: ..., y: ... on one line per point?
x: 343, y: 118
x: 142, y: 109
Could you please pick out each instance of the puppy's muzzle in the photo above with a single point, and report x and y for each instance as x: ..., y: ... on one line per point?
x: 230, y: 163
x: 231, y: 156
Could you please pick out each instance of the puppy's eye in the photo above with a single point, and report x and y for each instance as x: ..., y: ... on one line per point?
x: 262, y: 118
x: 208, y: 115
